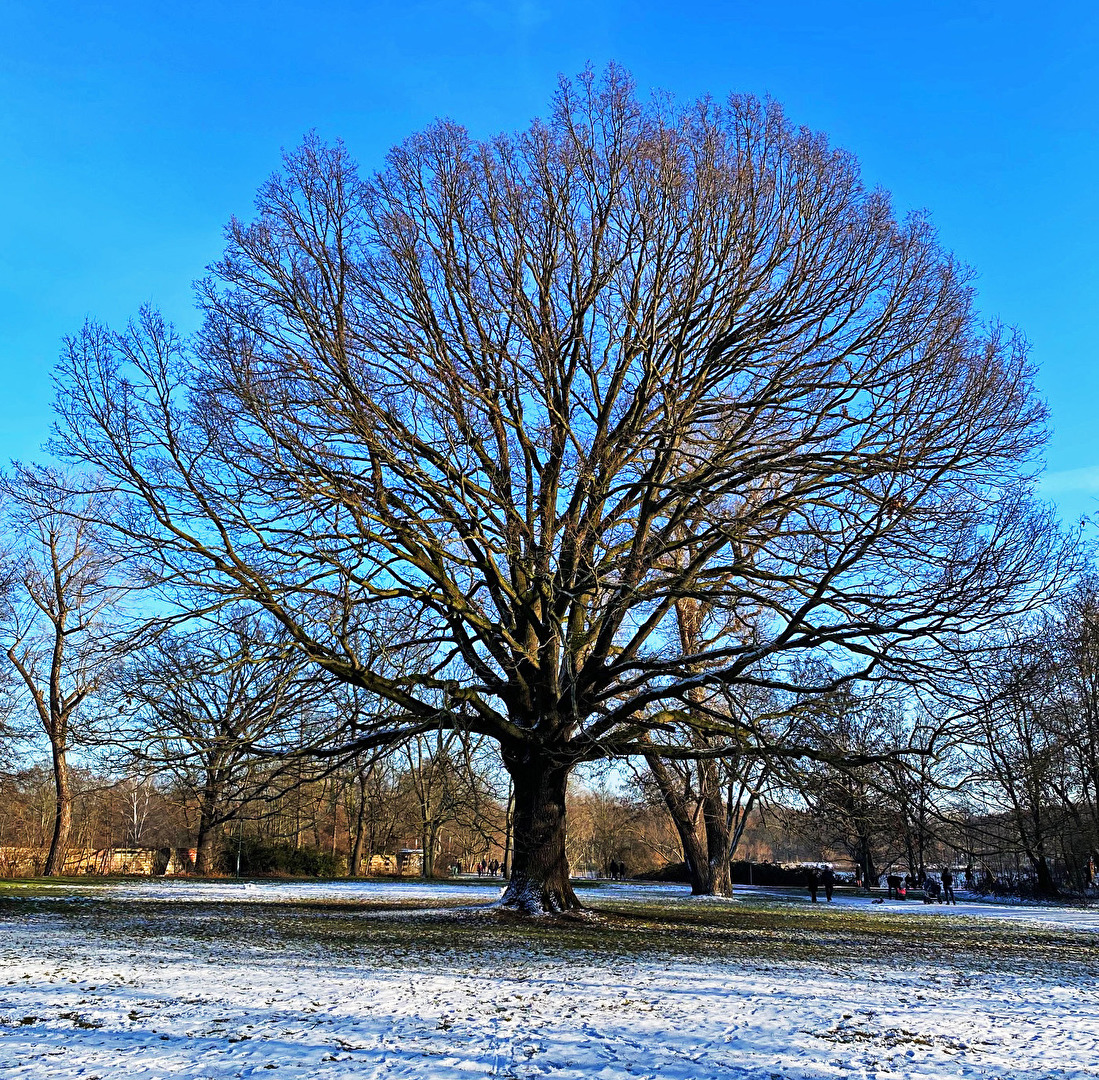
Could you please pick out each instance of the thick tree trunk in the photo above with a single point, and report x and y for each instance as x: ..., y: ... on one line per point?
x: 539, y: 882
x: 204, y: 862
x: 1044, y: 877
x: 719, y: 881
x: 63, y: 813
x: 693, y: 854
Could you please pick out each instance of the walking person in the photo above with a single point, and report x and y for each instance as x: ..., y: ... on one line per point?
x: 828, y: 876
x: 948, y: 886
x: 813, y: 882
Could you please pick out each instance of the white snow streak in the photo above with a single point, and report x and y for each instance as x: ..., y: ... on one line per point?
x: 82, y: 997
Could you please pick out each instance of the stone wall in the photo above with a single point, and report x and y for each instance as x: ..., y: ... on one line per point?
x: 24, y: 862
x: 29, y: 862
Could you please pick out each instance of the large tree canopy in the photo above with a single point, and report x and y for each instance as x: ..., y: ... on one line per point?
x: 471, y: 427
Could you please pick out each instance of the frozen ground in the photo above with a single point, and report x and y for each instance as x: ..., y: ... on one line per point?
x: 212, y: 980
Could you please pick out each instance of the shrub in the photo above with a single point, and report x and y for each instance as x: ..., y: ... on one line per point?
x: 260, y: 858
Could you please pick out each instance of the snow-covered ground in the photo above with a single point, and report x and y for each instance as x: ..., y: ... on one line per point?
x: 212, y: 980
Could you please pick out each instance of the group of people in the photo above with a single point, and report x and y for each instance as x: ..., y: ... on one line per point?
x: 818, y: 876
x: 939, y: 890
x: 934, y: 891
x: 491, y: 868
x: 616, y: 870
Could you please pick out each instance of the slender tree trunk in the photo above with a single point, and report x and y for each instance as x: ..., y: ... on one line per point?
x: 429, y: 832
x: 865, y: 857
x: 693, y: 854
x: 335, y: 814
x: 539, y: 882
x: 737, y: 821
x: 1030, y: 828
x: 910, y: 853
x: 354, y: 864
x: 63, y: 812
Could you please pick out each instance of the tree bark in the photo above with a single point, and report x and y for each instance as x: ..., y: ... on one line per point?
x: 1044, y: 882
x: 429, y: 832
x: 354, y: 863
x: 63, y: 813
x: 539, y: 882
x: 864, y: 856
x: 693, y: 855
x: 716, y: 823
x: 204, y: 862
x: 509, y: 814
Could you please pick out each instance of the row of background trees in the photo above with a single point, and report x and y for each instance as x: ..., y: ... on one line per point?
x: 646, y: 434
x: 181, y: 743
x: 333, y: 825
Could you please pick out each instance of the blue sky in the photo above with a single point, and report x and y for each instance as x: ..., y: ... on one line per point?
x: 132, y: 131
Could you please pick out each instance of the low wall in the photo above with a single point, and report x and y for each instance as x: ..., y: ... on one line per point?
x: 24, y: 862
x: 30, y: 862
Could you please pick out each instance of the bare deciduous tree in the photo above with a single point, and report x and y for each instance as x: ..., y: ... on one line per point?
x: 64, y: 585
x: 449, y: 788
x: 508, y: 402
x: 851, y: 806
x: 721, y: 790
x: 204, y: 705
x: 1017, y: 753
x: 1072, y: 641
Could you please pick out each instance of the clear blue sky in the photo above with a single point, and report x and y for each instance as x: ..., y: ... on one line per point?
x: 132, y: 131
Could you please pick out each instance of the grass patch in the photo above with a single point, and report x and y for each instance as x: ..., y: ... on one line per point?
x: 759, y: 929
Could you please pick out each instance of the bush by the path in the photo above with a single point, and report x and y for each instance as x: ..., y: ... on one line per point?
x: 259, y: 857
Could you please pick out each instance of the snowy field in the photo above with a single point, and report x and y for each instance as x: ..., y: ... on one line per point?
x: 211, y: 980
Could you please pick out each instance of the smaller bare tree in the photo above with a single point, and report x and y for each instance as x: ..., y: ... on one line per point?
x: 58, y: 619
x: 1018, y: 754
x: 205, y: 705
x: 450, y: 788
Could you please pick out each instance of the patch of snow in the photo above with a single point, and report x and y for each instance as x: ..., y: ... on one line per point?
x: 183, y: 890
x: 104, y: 991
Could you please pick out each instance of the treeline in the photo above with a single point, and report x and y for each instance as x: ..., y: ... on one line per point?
x: 205, y: 733
x: 453, y: 807
x: 452, y: 813
x: 1003, y: 787
x: 267, y: 817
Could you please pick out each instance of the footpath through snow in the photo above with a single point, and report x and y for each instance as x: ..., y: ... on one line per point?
x: 216, y: 980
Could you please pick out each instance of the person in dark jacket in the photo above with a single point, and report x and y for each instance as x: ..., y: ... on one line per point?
x: 828, y: 876
x: 948, y: 886
x: 813, y: 880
